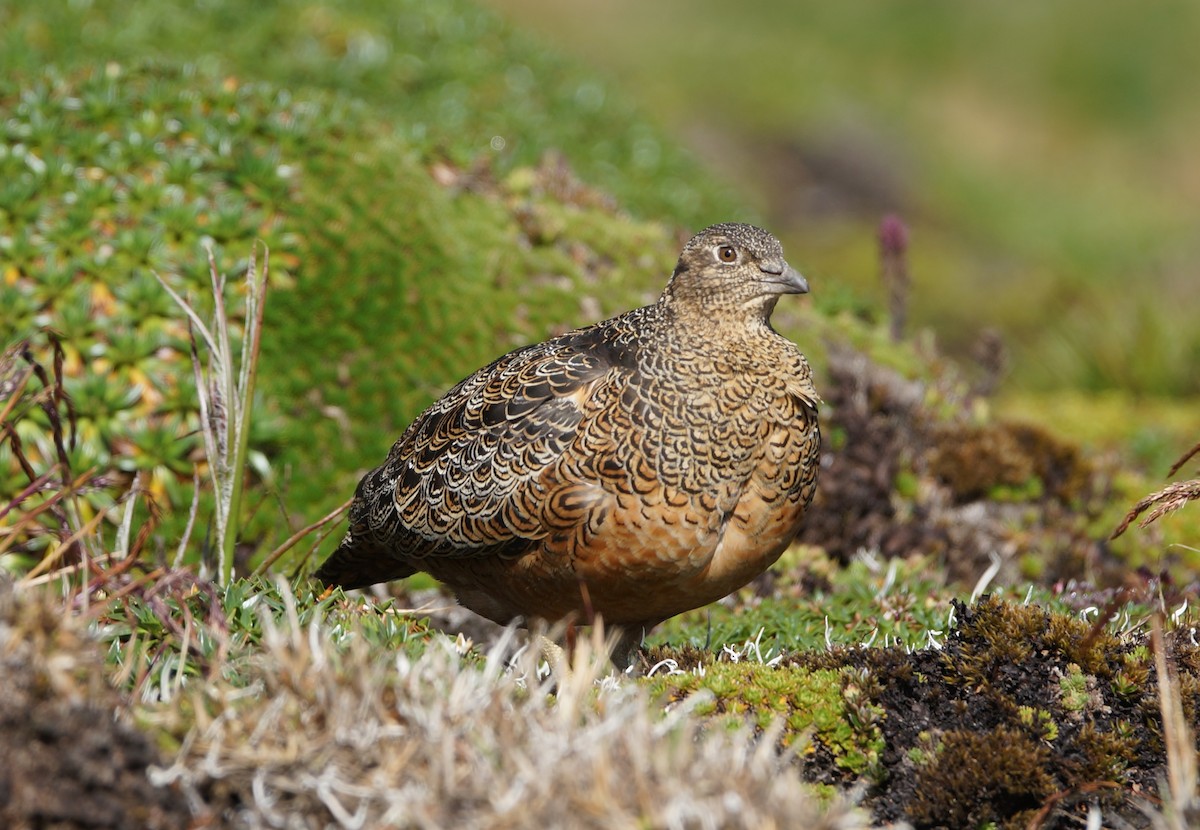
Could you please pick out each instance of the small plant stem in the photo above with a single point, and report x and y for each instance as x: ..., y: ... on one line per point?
x: 48, y: 561
x: 226, y: 401
x: 242, y: 404
x: 15, y: 395
x: 298, y: 535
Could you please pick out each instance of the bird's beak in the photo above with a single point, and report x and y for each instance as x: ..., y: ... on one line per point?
x: 784, y: 278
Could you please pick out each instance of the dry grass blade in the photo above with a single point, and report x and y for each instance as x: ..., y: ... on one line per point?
x: 243, y: 399
x: 193, y: 510
x: 1181, y: 801
x: 14, y: 441
x: 13, y: 380
x: 57, y: 512
x: 1183, y: 459
x: 187, y: 309
x: 52, y: 505
x: 274, y: 555
x: 31, y: 488
x: 893, y: 266
x: 54, y: 395
x: 356, y: 739
x: 66, y: 545
x: 18, y: 387
x: 1171, y: 497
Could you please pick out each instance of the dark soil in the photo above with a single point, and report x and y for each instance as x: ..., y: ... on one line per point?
x: 66, y: 762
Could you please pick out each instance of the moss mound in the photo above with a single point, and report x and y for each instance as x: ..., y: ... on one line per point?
x: 829, y: 706
x: 917, y: 467
x: 392, y: 275
x: 449, y: 78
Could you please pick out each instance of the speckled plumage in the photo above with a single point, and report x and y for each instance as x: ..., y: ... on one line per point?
x: 636, y: 468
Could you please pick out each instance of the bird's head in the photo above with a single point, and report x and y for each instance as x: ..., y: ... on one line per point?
x: 733, y: 266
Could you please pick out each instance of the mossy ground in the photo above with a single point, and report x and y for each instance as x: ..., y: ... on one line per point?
x: 1020, y: 714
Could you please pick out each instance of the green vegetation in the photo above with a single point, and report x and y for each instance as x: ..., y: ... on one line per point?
x: 370, y: 274
x: 355, y: 144
x: 866, y: 602
x: 830, y: 709
x: 444, y: 79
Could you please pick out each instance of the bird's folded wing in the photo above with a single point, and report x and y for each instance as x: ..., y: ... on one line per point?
x: 469, y: 476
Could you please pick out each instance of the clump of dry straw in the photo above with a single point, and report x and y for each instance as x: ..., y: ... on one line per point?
x: 326, y: 739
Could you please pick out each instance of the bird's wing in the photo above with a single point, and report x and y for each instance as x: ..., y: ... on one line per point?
x: 467, y: 478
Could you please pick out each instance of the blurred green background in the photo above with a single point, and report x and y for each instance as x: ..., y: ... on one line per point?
x: 1044, y: 156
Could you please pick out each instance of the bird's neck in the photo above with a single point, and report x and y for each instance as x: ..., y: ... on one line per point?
x: 712, y: 317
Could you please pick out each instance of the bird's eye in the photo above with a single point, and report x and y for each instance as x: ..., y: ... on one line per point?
x: 726, y: 253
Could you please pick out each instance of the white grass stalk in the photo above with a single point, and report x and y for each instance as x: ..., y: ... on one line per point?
x: 226, y: 397
x: 191, y: 520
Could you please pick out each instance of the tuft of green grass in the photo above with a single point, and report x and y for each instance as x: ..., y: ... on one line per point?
x: 165, y: 636
x: 226, y: 396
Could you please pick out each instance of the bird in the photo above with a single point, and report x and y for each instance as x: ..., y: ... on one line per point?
x: 630, y: 470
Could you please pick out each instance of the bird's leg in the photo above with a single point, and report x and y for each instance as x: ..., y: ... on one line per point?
x: 559, y: 657
x: 622, y: 643
x: 625, y: 644
x: 553, y: 653
x: 571, y: 637
x: 589, y: 614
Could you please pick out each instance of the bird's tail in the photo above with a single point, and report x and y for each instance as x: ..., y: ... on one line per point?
x: 354, y: 565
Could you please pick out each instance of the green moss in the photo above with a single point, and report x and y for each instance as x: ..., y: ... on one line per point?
x: 1004, y: 633
x: 1106, y: 753
x: 451, y: 80
x: 906, y: 484
x: 923, y: 753
x: 1128, y: 684
x: 1039, y: 721
x: 833, y: 708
